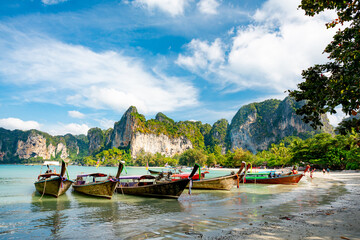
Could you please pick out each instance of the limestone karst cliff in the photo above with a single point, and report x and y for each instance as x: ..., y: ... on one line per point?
x: 159, y: 135
x: 153, y: 143
x: 257, y: 125
x: 17, y: 145
x: 254, y: 127
x: 35, y: 146
x: 219, y: 134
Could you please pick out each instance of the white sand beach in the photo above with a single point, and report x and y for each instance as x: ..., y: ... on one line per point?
x: 338, y: 220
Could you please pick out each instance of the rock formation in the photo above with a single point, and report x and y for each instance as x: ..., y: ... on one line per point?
x: 254, y: 127
x: 124, y: 129
x: 257, y: 125
x: 137, y: 134
x: 35, y: 146
x: 163, y: 144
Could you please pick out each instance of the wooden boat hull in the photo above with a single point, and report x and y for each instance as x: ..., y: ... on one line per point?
x: 53, y: 186
x: 219, y: 183
x: 154, y: 172
x: 160, y: 190
x: 104, y: 189
x: 285, y: 179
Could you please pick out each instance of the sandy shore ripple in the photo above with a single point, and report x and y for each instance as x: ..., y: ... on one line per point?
x: 338, y: 220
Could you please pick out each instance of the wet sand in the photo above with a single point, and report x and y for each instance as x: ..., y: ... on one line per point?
x: 338, y: 220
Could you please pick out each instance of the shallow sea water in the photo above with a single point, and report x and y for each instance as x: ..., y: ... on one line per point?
x: 73, y: 216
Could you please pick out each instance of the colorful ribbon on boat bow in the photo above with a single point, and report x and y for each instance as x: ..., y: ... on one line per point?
x: 124, y: 168
x: 63, y: 179
x: 114, y: 180
x: 199, y: 172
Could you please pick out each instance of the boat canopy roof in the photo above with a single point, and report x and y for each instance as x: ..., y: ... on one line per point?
x: 138, y: 177
x: 93, y: 175
x: 48, y: 175
x: 56, y: 163
x: 184, y: 175
x: 260, y: 173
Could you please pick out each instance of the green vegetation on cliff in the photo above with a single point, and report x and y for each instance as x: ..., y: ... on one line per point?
x: 262, y: 111
x: 167, y: 126
x: 219, y: 132
x: 269, y: 122
x: 77, y: 146
x: 110, y: 157
x: 321, y: 151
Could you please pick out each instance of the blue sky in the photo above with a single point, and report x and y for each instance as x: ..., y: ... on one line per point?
x: 69, y: 65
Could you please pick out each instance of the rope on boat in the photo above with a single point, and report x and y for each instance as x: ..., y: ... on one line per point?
x: 190, y: 186
x: 121, y: 189
x: 43, y: 191
x: 118, y: 184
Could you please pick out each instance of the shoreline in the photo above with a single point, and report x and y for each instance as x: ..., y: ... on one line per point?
x: 338, y: 220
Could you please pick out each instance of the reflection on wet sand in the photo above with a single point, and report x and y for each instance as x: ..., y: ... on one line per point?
x: 148, y: 206
x: 56, y: 219
x: 124, y: 215
x: 48, y: 203
x: 96, y: 209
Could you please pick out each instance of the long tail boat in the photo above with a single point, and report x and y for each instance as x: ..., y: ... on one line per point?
x: 52, y: 183
x: 141, y: 186
x: 217, y: 183
x: 272, y: 178
x: 102, y: 188
x: 179, y: 176
x: 223, y: 182
x: 169, y: 172
x: 154, y: 172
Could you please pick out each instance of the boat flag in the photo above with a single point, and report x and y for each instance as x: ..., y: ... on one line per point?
x: 98, y: 162
x: 124, y: 167
x: 67, y: 173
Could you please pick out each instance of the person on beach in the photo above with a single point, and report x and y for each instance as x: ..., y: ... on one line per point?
x: 328, y: 170
x: 323, y: 171
x: 307, y: 169
x: 311, y: 172
x: 48, y: 169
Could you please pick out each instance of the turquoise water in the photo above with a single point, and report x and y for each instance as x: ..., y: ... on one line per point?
x: 72, y: 216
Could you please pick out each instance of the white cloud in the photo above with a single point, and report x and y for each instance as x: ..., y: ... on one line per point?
x: 62, y: 129
x: 269, y: 54
x: 208, y: 6
x: 57, y: 129
x: 335, y: 119
x: 172, y: 7
x: 52, y: 2
x: 16, y: 123
x: 231, y: 31
x: 76, y: 114
x: 46, y: 70
x: 205, y: 57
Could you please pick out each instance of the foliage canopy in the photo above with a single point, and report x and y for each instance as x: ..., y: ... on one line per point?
x: 337, y: 82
